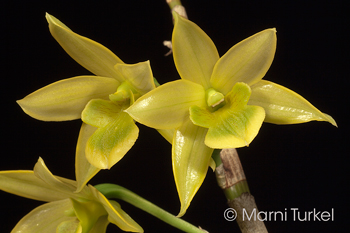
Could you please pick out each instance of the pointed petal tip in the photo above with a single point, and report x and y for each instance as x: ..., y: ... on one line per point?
x: 330, y: 120
x: 181, y: 213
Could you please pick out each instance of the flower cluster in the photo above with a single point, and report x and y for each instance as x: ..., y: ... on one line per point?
x: 219, y: 102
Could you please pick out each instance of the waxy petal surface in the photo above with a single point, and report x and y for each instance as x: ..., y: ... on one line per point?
x: 111, y: 142
x: 46, y: 218
x: 88, y: 212
x: 60, y: 185
x: 66, y: 99
x: 248, y: 61
x: 167, y: 106
x: 93, y: 56
x: 194, y: 52
x: 283, y: 106
x: 139, y: 75
x: 24, y: 183
x: 84, y: 170
x: 116, y: 214
x: 234, y: 125
x: 99, y: 112
x: 191, y: 159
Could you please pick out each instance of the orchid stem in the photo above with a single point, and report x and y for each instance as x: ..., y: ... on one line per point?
x: 231, y: 179
x: 118, y: 192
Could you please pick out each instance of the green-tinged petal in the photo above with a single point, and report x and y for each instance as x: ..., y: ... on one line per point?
x: 26, y: 184
x: 111, y: 142
x: 70, y: 226
x: 234, y: 125
x: 212, y: 164
x: 190, y: 158
x: 88, y: 53
x: 168, y: 134
x: 43, y: 173
x: 45, y: 218
x: 139, y: 75
x: 201, y: 117
x: 101, y: 225
x: 283, y: 106
x: 84, y: 171
x: 99, y: 112
x: 247, y: 61
x: 167, y: 106
x: 194, y: 52
x: 88, y: 212
x: 66, y: 99
x: 116, y: 215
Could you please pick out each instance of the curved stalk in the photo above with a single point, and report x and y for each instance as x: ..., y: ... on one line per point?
x: 115, y: 191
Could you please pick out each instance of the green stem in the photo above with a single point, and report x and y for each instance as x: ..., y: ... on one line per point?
x: 116, y: 191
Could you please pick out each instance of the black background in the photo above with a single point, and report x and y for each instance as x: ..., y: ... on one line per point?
x: 295, y: 166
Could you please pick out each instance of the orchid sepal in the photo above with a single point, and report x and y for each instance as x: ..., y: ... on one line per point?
x: 284, y: 106
x: 93, y: 56
x: 190, y: 159
x: 247, y: 61
x: 194, y: 52
x: 65, y: 99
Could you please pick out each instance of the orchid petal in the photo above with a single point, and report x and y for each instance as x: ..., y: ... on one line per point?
x: 45, y: 218
x: 234, y: 125
x: 167, y: 106
x: 101, y: 225
x: 88, y: 212
x: 24, y: 183
x: 111, y: 142
x: 66, y: 99
x: 43, y: 173
x: 190, y: 158
x: 88, y: 53
x: 116, y: 215
x: 99, y: 112
x: 84, y: 171
x: 194, y: 52
x: 283, y: 106
x: 139, y: 75
x: 248, y: 61
x: 70, y: 226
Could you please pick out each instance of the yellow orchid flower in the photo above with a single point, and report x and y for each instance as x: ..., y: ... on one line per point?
x: 98, y: 100
x: 66, y: 211
x: 220, y: 102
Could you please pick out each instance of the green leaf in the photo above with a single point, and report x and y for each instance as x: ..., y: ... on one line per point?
x: 84, y: 171
x: 45, y: 218
x: 190, y: 158
x: 283, y: 106
x: 88, y: 53
x: 248, y: 61
x: 66, y: 99
x: 139, y: 75
x: 111, y: 142
x: 194, y: 52
x: 167, y: 106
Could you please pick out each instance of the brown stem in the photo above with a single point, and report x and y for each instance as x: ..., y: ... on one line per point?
x: 232, y: 180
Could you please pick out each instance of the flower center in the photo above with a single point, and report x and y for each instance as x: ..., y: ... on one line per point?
x: 124, y: 91
x: 215, y: 99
